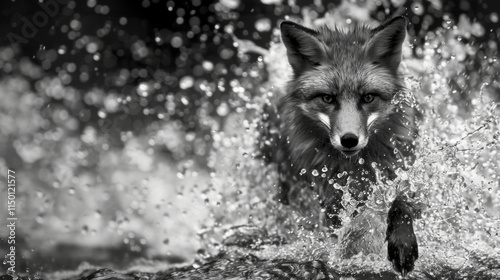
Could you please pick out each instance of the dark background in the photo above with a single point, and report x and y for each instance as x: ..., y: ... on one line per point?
x: 201, y: 41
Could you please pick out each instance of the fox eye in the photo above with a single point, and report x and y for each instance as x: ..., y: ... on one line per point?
x: 327, y: 98
x: 368, y: 98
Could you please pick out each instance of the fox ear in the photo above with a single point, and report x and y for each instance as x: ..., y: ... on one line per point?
x: 302, y: 46
x: 385, y: 46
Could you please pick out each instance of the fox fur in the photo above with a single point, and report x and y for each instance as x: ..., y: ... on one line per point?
x: 345, y: 112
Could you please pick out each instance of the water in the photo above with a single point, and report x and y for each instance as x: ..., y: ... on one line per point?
x: 160, y: 162
x: 455, y: 175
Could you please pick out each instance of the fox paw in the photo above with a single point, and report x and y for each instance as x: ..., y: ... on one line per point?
x: 402, y: 250
x: 402, y: 247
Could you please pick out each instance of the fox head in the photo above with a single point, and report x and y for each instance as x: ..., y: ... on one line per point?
x: 345, y: 80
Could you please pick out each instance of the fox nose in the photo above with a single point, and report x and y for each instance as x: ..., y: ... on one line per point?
x: 349, y: 140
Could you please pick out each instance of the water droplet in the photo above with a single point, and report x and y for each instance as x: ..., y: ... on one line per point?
x: 61, y: 50
x: 223, y: 109
x: 186, y: 82
x: 85, y: 229
x: 417, y: 9
x: 494, y: 17
x: 176, y: 42
x: 263, y: 25
x: 143, y: 89
x: 101, y: 114
x: 207, y: 66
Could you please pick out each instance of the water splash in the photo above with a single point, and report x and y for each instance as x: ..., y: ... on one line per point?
x: 449, y: 184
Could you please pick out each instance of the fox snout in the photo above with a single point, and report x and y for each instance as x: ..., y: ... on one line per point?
x: 348, y: 128
x: 349, y: 140
x: 349, y: 143
x: 349, y: 132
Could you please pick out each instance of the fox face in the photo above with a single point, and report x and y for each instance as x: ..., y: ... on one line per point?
x: 345, y: 80
x: 347, y: 117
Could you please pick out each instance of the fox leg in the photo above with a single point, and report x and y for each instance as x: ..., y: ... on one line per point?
x: 402, y: 247
x: 284, y: 186
x: 283, y: 191
x: 331, y: 203
x: 332, y: 219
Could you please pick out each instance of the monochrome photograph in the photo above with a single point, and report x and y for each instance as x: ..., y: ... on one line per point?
x: 261, y: 139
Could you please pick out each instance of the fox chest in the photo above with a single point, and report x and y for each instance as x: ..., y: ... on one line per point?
x: 328, y: 174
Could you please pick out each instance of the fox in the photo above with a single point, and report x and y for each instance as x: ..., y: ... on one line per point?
x: 342, y: 113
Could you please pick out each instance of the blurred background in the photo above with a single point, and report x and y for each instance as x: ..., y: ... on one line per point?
x: 110, y: 112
